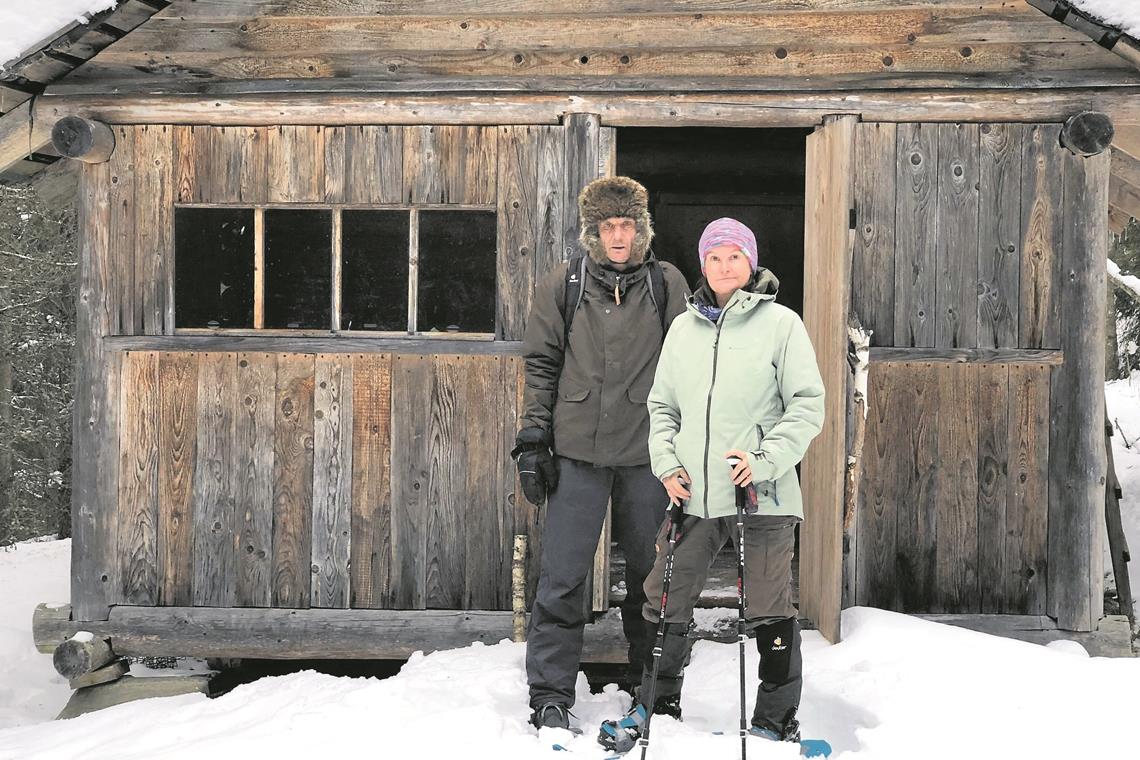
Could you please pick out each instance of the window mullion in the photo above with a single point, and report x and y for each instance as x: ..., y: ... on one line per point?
x: 259, y: 267
x: 336, y: 268
x: 413, y: 268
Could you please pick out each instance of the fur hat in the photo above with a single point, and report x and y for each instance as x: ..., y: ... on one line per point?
x: 608, y: 197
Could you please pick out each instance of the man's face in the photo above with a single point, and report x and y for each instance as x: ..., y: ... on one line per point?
x: 617, y: 234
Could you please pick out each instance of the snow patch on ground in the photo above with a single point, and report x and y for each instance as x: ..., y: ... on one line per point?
x: 1123, y: 14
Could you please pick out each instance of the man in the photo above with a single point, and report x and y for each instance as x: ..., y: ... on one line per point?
x: 592, y: 341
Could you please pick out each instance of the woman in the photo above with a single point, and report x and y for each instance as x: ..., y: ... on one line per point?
x: 737, y: 378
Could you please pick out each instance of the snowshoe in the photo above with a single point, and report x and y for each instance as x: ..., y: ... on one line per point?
x: 621, y: 736
x: 791, y: 733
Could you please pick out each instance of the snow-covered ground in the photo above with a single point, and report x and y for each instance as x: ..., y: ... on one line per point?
x: 896, y: 688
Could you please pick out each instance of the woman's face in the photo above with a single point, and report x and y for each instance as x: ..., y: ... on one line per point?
x: 726, y: 269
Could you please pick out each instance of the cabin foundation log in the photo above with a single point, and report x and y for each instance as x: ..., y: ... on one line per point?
x: 128, y: 689
x: 80, y: 655
x: 106, y: 674
x: 91, y: 142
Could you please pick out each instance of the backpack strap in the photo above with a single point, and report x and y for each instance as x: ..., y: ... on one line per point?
x: 657, y: 292
x: 575, y: 286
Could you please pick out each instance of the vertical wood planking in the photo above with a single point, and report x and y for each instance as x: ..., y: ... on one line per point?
x: 468, y: 164
x: 1027, y: 505
x: 916, y: 487
x: 220, y: 164
x: 1076, y: 440
x: 213, y: 511
x: 333, y: 182
x: 916, y: 235
x: 875, y: 584
x: 177, y: 451
x: 993, y: 460
x: 551, y: 205
x: 154, y: 219
x: 332, y: 484
x: 517, y: 229
x: 447, y: 450
x: 122, y: 233
x: 296, y: 164
x: 253, y: 478
x: 411, y: 389
x: 292, y: 480
x: 374, y: 164
x: 1042, y: 211
x: 423, y: 165
x: 873, y: 264
x: 956, y: 290
x: 186, y: 164
x: 999, y: 234
x: 583, y: 146
x: 481, y: 428
x: 370, y: 554
x: 138, y: 481
x: 956, y: 489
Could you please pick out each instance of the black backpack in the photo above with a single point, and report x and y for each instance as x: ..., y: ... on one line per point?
x: 575, y: 287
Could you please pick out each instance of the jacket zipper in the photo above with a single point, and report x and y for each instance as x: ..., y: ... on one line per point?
x: 708, y: 413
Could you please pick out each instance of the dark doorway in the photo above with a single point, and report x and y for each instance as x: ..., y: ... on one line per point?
x: 697, y: 174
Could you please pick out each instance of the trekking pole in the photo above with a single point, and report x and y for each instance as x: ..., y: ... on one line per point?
x: 741, y: 602
x: 676, y: 514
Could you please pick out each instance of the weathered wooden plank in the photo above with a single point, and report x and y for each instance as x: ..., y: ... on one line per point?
x: 374, y: 164
x: 447, y: 504
x: 423, y: 165
x: 873, y: 265
x: 154, y: 220
x: 916, y: 235
x: 185, y: 164
x: 1077, y: 463
x: 213, y: 510
x: 177, y: 453
x: 956, y: 290
x: 227, y: 164
x: 956, y: 491
x: 411, y: 389
x: 1124, y: 195
x: 481, y: 498
x: 253, y: 479
x: 993, y: 473
x: 1027, y: 504
x: 292, y: 480
x: 1042, y: 199
x: 876, y: 532
x: 1050, y: 356
x: 332, y: 480
x: 553, y: 204
x: 999, y: 234
x: 22, y: 134
x: 270, y: 340
x: 582, y: 132
x: 296, y: 164
x: 371, y: 530
x: 517, y: 205
x: 335, y: 168
x: 137, y: 512
x: 915, y: 490
x: 468, y: 164
x: 122, y: 233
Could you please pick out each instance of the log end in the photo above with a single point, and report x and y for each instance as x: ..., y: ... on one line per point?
x: 1088, y: 133
x: 89, y: 141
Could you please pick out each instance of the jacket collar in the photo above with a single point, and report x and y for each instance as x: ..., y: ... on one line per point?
x: 761, y: 287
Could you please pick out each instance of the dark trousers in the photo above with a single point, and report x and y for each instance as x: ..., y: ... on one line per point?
x: 770, y: 615
x: 575, y: 512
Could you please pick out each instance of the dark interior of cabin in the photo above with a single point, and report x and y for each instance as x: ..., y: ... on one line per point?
x: 697, y: 174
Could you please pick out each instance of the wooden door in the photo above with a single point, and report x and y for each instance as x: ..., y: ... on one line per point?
x: 828, y: 242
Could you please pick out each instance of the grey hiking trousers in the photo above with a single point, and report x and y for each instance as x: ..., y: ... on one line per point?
x: 769, y: 542
x: 575, y: 512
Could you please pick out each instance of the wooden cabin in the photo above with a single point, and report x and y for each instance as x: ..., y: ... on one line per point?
x: 308, y: 260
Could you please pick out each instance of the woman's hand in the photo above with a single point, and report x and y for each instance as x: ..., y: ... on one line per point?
x: 675, y: 484
x: 742, y: 472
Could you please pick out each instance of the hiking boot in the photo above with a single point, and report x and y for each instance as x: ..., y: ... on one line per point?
x: 789, y: 733
x: 670, y: 706
x: 551, y: 715
x: 621, y: 736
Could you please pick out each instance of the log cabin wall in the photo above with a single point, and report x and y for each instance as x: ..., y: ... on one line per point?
x: 281, y: 471
x: 979, y: 488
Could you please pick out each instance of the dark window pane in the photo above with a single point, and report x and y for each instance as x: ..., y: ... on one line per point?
x: 213, y: 267
x: 298, y: 268
x: 374, y: 270
x: 456, y: 271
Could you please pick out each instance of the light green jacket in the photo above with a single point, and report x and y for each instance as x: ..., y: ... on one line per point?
x: 749, y: 381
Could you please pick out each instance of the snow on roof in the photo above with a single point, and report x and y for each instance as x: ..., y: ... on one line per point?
x: 24, y: 25
x: 1122, y: 14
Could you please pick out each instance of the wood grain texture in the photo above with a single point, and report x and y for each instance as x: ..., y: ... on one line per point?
x: 957, y: 242
x: 487, y: 566
x: 583, y: 146
x: 468, y: 164
x: 122, y: 233
x: 138, y: 481
x: 916, y: 235
x: 993, y: 489
x: 213, y: 510
x: 423, y: 165
x: 1027, y: 504
x: 154, y: 220
x: 411, y: 413
x: 371, y: 530
x: 1050, y: 356
x: 915, y: 489
x: 256, y: 376
x: 177, y: 451
x: 227, y: 164
x: 332, y: 481
x: 296, y: 164
x: 1042, y: 201
x: 516, y: 206
x: 552, y: 203
x: 293, y: 480
x: 335, y: 167
x: 448, y: 448
x: 374, y: 164
x: 876, y: 532
x: 956, y: 490
x: 873, y: 264
x: 999, y: 234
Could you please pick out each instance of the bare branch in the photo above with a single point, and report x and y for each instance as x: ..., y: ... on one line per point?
x: 39, y: 261
x: 10, y: 307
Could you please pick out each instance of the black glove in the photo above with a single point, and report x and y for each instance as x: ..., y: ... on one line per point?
x: 535, y: 463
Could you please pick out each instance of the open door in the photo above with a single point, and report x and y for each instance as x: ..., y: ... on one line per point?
x: 828, y: 240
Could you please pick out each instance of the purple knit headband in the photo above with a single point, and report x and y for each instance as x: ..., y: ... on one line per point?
x: 726, y: 231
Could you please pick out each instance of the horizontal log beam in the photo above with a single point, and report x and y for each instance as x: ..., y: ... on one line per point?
x: 1117, y: 220
x: 643, y: 108
x: 1124, y: 196
x: 21, y: 134
x: 1127, y: 139
x: 329, y: 344
x: 967, y: 356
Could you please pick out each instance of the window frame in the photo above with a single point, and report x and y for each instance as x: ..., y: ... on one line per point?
x: 336, y: 264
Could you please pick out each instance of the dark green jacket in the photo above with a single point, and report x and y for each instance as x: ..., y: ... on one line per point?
x: 591, y: 396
